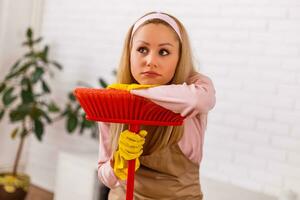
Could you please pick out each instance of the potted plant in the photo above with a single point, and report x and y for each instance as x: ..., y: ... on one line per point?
x: 25, y: 98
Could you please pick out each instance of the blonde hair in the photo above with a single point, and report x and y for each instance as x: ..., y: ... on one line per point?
x: 158, y: 136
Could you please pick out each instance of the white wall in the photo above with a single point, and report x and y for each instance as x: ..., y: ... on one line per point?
x: 250, y: 48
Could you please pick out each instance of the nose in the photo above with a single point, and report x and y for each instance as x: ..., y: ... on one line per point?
x: 151, y: 60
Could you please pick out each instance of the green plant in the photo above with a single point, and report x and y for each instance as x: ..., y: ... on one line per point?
x: 25, y: 97
x: 25, y: 93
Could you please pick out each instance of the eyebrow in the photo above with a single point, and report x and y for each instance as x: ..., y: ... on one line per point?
x: 162, y: 44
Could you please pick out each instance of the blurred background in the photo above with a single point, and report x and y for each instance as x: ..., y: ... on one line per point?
x: 249, y: 48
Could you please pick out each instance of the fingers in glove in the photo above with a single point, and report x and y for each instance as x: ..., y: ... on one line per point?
x: 130, y: 156
x: 130, y: 148
x: 143, y: 133
x: 131, y: 136
x: 130, y: 143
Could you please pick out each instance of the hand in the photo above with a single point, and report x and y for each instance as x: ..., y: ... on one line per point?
x: 131, y: 144
x: 128, y: 87
x: 130, y: 147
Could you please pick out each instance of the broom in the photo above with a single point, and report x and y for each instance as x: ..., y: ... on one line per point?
x: 120, y: 106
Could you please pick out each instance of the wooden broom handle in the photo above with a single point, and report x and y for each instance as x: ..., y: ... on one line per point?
x: 131, y: 166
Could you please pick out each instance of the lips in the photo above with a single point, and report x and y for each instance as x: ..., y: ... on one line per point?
x: 150, y: 73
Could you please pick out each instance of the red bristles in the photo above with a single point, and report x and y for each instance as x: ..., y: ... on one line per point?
x: 119, y: 106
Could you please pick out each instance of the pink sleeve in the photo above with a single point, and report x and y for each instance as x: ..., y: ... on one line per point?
x: 105, y: 171
x: 192, y: 100
x: 186, y: 99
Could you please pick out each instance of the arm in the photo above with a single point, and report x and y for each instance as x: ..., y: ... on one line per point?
x: 105, y: 171
x: 198, y: 96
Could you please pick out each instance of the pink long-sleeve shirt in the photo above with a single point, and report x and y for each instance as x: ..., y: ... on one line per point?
x: 192, y: 100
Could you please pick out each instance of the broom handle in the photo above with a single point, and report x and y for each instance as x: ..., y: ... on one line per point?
x: 131, y: 166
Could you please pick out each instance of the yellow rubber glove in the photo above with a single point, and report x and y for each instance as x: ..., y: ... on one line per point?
x: 128, y: 87
x: 130, y: 147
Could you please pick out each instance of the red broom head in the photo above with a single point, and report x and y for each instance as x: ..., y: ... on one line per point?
x: 120, y: 106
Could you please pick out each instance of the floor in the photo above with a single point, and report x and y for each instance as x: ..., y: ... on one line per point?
x: 216, y: 190
x: 213, y: 190
x: 36, y: 193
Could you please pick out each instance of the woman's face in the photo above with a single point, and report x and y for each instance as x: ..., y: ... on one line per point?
x: 154, y: 54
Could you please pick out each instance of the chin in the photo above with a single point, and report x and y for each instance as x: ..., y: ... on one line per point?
x: 147, y: 83
x: 150, y: 82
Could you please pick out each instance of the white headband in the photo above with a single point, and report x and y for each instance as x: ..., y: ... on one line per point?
x: 157, y: 15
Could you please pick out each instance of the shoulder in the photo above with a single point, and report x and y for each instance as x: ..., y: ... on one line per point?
x: 197, y: 77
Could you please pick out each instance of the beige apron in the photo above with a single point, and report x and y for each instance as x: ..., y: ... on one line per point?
x: 164, y: 175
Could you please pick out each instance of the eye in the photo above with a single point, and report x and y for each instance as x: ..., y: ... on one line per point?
x: 142, y: 50
x: 163, y: 52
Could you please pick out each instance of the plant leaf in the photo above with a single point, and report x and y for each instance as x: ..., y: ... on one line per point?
x: 44, y: 54
x: 37, y: 112
x: 88, y: 123
x: 28, y: 43
x: 30, y: 54
x: 7, y: 96
x: 2, y: 111
x: 2, y: 86
x: 71, y: 122
x: 38, y: 129
x: 72, y: 97
x: 19, y: 113
x: 27, y: 96
x: 21, y: 70
x: 45, y: 87
x: 52, y: 107
x: 26, y: 82
x: 102, y: 83
x: 57, y: 65
x: 29, y: 33
x: 15, y: 65
x: 37, y: 74
x: 45, y: 115
x: 14, y: 133
x: 38, y: 40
